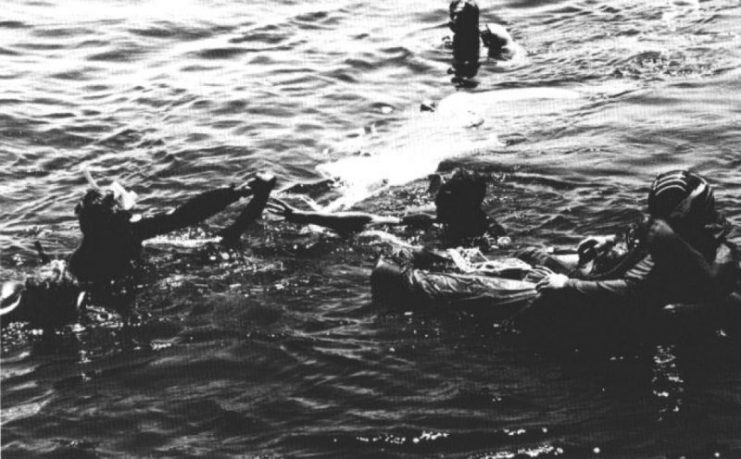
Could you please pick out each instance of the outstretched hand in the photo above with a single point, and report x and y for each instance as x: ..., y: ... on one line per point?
x: 261, y: 184
x: 549, y: 280
x: 279, y: 207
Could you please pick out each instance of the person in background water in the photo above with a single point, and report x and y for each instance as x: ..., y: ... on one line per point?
x: 499, y: 42
x: 468, y: 37
x: 464, y: 22
x: 681, y: 256
x: 111, y: 247
x: 458, y: 204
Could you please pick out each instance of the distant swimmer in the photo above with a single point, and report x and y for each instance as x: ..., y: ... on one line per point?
x: 468, y: 37
x: 500, y: 44
x: 111, y: 246
x: 464, y: 22
x: 458, y: 204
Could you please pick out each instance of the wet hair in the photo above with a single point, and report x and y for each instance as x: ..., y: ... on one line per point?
x: 99, y: 210
x: 682, y: 196
x: 458, y: 202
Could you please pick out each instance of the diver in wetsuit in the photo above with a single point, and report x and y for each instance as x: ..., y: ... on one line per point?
x: 611, y: 292
x: 468, y: 37
x: 112, y: 236
x: 111, y: 248
x: 458, y: 204
x: 682, y: 256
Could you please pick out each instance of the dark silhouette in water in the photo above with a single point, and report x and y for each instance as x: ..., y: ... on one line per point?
x: 684, y: 254
x: 111, y: 248
x: 464, y: 22
x: 112, y: 239
x: 468, y: 37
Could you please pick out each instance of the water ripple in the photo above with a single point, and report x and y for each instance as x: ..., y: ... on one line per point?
x: 275, y: 349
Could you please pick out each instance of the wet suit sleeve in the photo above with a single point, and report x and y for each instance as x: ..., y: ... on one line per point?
x: 251, y: 212
x: 613, y: 289
x: 194, y: 211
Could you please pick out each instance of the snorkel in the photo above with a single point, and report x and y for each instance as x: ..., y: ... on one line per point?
x: 125, y: 199
x: 104, y: 209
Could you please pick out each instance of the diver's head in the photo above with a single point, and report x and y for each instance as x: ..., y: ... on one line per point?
x: 464, y: 16
x: 683, y: 198
x: 48, y: 298
x: 458, y: 200
x: 495, y: 37
x: 97, y: 210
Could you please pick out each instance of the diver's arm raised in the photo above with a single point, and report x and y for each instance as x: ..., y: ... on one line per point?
x: 206, y: 205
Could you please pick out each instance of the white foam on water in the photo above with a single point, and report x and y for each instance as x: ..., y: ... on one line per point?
x: 463, y: 124
x: 181, y: 242
x: 398, y: 159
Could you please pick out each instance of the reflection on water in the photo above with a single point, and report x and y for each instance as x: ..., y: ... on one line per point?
x: 276, y: 350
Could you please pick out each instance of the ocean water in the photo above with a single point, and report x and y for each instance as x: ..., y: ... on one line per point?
x: 276, y: 350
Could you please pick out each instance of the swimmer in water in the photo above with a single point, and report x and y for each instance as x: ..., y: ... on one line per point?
x: 111, y: 247
x: 499, y: 42
x: 468, y: 37
x: 681, y: 256
x: 458, y: 204
x: 612, y: 291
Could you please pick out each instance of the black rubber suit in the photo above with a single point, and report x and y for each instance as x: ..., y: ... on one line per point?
x: 112, y: 241
x: 111, y: 247
x: 623, y: 304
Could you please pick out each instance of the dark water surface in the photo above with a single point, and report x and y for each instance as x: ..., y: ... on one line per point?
x: 277, y: 351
